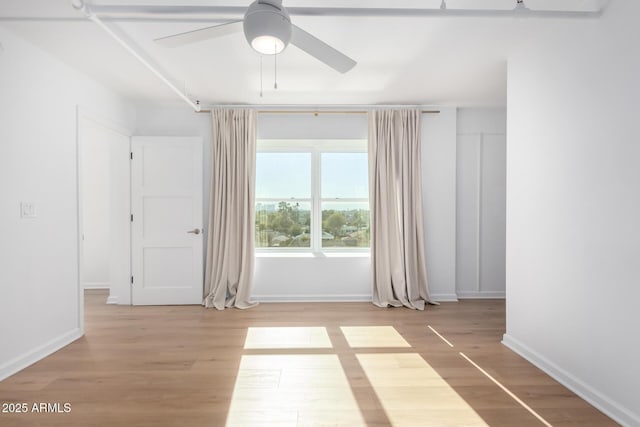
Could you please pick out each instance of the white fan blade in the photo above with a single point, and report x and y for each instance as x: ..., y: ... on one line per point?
x: 200, y: 34
x: 320, y: 50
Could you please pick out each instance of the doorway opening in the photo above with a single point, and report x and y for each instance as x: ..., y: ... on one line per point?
x: 104, y: 207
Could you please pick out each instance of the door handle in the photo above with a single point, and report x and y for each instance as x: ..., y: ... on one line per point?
x: 194, y: 231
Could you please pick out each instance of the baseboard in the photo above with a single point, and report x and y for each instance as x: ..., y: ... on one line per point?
x: 29, y: 358
x: 612, y: 409
x: 96, y: 285
x: 311, y: 298
x: 481, y: 295
x: 444, y: 297
x: 113, y: 299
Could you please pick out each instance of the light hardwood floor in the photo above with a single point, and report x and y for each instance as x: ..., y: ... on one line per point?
x: 341, y: 364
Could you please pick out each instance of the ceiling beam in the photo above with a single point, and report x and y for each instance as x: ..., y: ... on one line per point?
x: 223, y: 14
x: 135, y: 51
x: 234, y: 12
x: 200, y: 19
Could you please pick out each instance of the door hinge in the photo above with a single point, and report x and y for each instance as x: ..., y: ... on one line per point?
x: 131, y: 155
x: 131, y: 217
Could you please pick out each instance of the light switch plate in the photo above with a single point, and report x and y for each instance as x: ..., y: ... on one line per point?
x: 28, y: 210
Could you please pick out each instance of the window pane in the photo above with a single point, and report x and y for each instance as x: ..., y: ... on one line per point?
x: 345, y: 176
x: 283, y: 224
x: 283, y: 175
x: 345, y: 224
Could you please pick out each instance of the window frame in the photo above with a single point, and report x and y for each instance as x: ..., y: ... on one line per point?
x: 316, y: 147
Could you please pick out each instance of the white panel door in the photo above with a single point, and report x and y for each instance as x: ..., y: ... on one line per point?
x: 167, y: 232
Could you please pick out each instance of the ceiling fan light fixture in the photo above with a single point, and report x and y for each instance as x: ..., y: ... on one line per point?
x: 267, y: 45
x: 267, y: 27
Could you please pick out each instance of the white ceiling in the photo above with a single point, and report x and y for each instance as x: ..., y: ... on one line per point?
x: 415, y: 60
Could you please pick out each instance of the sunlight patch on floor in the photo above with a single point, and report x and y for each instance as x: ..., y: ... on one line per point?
x: 293, y: 390
x: 373, y: 336
x: 412, y: 393
x: 506, y: 390
x: 289, y: 337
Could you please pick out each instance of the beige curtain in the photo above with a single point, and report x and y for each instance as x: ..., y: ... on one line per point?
x: 395, y: 185
x: 230, y: 254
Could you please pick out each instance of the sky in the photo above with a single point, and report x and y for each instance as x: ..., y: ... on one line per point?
x: 288, y: 175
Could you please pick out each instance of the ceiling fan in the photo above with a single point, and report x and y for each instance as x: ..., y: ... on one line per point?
x: 268, y: 29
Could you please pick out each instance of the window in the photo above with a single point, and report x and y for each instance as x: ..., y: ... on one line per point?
x: 283, y: 199
x: 312, y: 195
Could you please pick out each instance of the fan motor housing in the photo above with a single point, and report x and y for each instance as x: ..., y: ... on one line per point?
x: 263, y: 20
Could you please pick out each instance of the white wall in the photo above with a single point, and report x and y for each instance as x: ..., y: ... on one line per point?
x: 306, y: 277
x: 573, y: 207
x: 40, y: 306
x: 331, y: 277
x: 439, y: 201
x: 480, y: 206
x: 96, y: 205
x: 309, y: 126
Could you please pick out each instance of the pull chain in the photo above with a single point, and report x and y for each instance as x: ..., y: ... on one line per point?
x: 275, y: 69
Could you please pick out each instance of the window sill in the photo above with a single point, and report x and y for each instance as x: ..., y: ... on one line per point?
x: 363, y: 254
